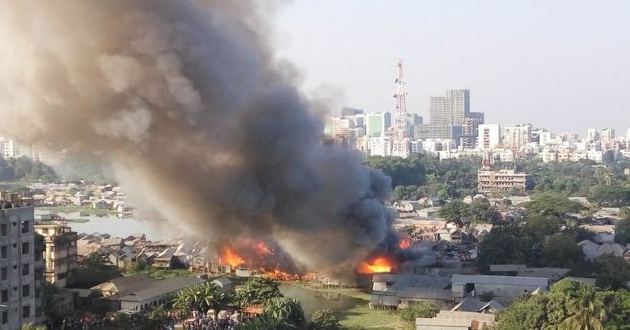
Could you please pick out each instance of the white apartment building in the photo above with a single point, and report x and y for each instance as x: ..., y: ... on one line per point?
x: 20, y: 268
x: 546, y: 138
x: 9, y: 148
x: 488, y: 136
x: 607, y: 135
x: 516, y: 136
x: 380, y: 146
x: 416, y: 146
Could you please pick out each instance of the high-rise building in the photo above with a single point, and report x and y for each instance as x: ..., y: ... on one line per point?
x: 607, y: 134
x: 500, y: 181
x: 489, y: 136
x: 450, y: 110
x: 470, y: 128
x: 593, y: 134
x: 60, y: 254
x: 377, y: 124
x: 348, y: 111
x: 20, y: 266
x: 516, y: 136
x: 9, y: 148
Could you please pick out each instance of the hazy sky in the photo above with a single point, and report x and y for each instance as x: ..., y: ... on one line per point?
x: 559, y: 64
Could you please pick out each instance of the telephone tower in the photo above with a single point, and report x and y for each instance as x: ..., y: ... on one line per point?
x: 400, y: 145
x: 400, y: 127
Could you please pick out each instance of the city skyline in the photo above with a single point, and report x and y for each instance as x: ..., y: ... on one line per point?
x: 537, y: 62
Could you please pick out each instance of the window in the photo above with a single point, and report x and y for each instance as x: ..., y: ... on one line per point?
x: 25, y: 226
x: 4, y: 297
x: 5, y: 317
x: 25, y: 248
x: 26, y: 269
x: 3, y: 229
x: 3, y: 273
x: 26, y: 311
x: 26, y: 290
x: 3, y: 252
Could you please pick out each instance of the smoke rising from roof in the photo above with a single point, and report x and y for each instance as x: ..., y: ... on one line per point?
x: 199, y: 121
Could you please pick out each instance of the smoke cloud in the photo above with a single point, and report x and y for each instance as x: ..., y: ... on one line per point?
x: 201, y: 124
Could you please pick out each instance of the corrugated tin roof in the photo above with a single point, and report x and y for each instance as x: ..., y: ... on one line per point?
x: 505, y: 280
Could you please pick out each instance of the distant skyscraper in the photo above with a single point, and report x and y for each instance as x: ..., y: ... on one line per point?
x: 608, y: 134
x: 450, y: 110
x: 9, y: 148
x: 377, y: 124
x: 348, y: 111
x: 592, y: 134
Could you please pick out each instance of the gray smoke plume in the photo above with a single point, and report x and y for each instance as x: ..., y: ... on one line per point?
x: 201, y: 124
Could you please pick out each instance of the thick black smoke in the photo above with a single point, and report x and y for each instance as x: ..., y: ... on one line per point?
x: 200, y: 122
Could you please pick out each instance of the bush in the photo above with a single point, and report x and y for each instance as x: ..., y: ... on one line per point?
x: 423, y: 309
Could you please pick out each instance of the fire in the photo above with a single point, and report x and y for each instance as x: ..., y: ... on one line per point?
x: 261, y: 248
x: 376, y: 265
x: 231, y: 258
x: 279, y: 275
x: 404, y: 243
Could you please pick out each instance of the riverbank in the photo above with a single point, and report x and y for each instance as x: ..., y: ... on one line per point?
x: 79, y: 209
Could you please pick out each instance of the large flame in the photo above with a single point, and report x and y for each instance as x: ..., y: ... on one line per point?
x: 404, y: 243
x: 262, y: 248
x: 231, y: 258
x: 376, y: 265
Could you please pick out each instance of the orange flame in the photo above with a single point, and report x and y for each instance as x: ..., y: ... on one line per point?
x: 404, y: 243
x: 261, y: 248
x: 231, y: 258
x: 377, y: 265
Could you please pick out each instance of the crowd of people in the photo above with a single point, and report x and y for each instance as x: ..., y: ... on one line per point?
x: 225, y: 320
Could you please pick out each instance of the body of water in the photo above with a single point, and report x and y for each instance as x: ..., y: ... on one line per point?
x: 312, y: 300
x: 115, y: 226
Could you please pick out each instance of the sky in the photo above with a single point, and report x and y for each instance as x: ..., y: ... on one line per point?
x: 563, y: 65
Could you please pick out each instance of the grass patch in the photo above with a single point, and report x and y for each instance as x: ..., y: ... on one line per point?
x: 371, y: 318
x: 80, y: 209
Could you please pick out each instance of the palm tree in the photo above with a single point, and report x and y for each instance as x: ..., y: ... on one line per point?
x: 587, y: 310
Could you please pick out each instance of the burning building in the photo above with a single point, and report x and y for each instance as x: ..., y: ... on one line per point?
x: 188, y: 97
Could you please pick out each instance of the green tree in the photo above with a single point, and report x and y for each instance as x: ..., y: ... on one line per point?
x: 612, y: 272
x: 202, y: 297
x: 258, y: 290
x: 265, y: 322
x: 611, y: 196
x: 456, y: 211
x: 561, y: 250
x: 404, y: 172
x: 525, y: 313
x: 94, y: 270
x: 411, y: 313
x: 587, y: 311
x: 552, y: 204
x: 287, y: 310
x: 324, y: 319
x: 507, y: 245
x: 407, y: 193
x: 622, y: 231
x: 482, y: 211
x: 624, y: 212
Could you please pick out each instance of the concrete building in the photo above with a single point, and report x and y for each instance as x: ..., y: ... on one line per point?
x: 498, y: 181
x: 592, y: 134
x: 516, y: 136
x: 9, y: 148
x: 60, y: 254
x: 20, y: 267
x: 489, y: 136
x: 456, y: 320
x: 380, y: 146
x: 377, y: 124
x: 504, y: 288
x: 607, y: 135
